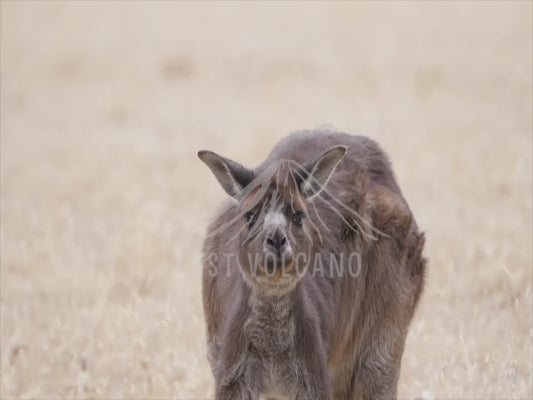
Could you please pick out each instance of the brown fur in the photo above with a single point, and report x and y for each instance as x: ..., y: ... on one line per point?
x: 324, y: 337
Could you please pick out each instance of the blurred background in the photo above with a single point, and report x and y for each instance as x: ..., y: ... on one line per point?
x: 104, y: 203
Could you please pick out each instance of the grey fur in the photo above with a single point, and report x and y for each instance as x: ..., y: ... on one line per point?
x: 302, y: 335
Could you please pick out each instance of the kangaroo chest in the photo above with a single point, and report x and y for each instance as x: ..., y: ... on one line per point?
x: 270, y: 332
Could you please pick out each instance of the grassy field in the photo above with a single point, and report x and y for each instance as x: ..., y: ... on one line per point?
x: 104, y: 204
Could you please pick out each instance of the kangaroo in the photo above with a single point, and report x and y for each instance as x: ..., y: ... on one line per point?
x: 312, y: 270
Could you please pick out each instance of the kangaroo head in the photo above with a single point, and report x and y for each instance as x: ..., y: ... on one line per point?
x: 276, y: 232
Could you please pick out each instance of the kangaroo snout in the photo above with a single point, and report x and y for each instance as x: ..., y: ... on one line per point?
x: 277, y: 252
x: 276, y: 242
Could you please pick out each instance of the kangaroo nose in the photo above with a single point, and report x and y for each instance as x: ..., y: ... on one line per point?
x: 277, y: 241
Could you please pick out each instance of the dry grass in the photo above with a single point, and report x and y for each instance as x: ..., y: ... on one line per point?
x: 104, y: 204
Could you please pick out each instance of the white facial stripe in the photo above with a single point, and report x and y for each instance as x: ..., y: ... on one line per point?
x: 275, y: 219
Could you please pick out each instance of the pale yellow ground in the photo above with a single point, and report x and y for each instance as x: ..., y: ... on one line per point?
x: 104, y: 203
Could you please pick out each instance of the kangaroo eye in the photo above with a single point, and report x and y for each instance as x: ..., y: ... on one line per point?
x: 250, y: 218
x: 297, y: 218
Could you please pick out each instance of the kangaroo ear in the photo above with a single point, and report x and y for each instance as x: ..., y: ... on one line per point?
x: 232, y: 176
x: 315, y: 173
